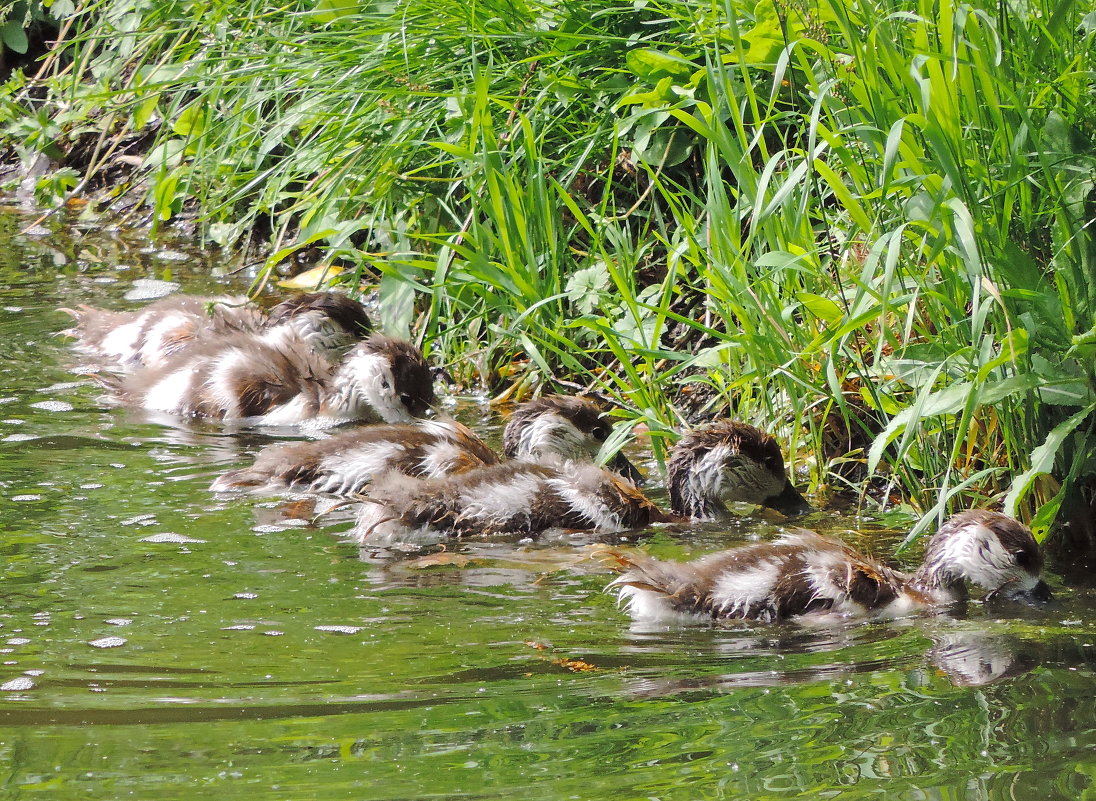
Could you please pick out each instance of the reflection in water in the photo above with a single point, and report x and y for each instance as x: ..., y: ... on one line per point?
x: 974, y: 659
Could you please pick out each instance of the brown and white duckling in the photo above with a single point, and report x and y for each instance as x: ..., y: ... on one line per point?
x: 326, y: 321
x: 508, y: 498
x: 151, y: 336
x: 381, y: 379
x: 533, y: 498
x: 804, y: 574
x: 345, y: 463
x: 728, y: 462
x: 562, y: 428
x: 553, y: 430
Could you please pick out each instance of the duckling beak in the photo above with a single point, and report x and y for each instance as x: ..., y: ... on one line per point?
x: 1039, y: 595
x: 789, y: 502
x: 620, y: 464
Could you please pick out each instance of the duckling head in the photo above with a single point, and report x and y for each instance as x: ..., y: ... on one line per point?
x: 561, y: 428
x: 390, y: 376
x: 727, y: 462
x: 988, y: 549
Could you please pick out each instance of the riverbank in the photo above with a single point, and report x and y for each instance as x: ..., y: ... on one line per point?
x: 866, y: 228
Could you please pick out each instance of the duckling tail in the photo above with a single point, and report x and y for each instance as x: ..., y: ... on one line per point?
x: 637, y: 570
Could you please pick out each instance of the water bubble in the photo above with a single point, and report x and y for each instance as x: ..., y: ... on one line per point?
x: 246, y: 596
x: 26, y: 497
x: 52, y: 406
x: 239, y: 627
x: 139, y: 520
x: 150, y: 289
x: 18, y: 641
x: 19, y: 437
x: 18, y: 684
x: 340, y: 629
x: 168, y: 536
x: 107, y: 642
x: 118, y: 621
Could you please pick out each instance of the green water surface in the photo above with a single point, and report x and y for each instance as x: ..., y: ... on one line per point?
x: 160, y: 642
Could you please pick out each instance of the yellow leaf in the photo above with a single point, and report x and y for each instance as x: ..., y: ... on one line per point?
x: 311, y: 280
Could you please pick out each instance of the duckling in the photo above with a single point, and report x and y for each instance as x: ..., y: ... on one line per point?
x: 552, y: 430
x: 727, y: 462
x: 804, y: 574
x: 345, y: 463
x: 149, y: 337
x: 564, y: 428
x: 381, y: 379
x: 513, y: 497
x: 707, y: 469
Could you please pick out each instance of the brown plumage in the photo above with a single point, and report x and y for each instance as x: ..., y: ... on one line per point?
x: 550, y: 431
x: 803, y: 573
x: 345, y: 463
x: 381, y: 379
x: 160, y: 331
x: 558, y: 428
x: 514, y: 497
x: 706, y: 468
x: 726, y: 462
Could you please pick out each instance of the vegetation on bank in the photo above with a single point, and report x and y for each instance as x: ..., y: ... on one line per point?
x: 867, y: 226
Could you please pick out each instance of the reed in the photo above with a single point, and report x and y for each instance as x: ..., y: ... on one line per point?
x: 866, y: 226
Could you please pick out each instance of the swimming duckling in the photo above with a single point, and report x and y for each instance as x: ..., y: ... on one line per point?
x: 552, y: 430
x: 345, y: 463
x: 150, y: 336
x: 381, y: 379
x: 534, y: 498
x: 803, y: 573
x: 508, y: 498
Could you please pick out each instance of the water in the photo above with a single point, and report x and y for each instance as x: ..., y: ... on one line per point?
x: 160, y: 642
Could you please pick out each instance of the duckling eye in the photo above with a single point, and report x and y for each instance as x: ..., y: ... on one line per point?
x: 1025, y: 558
x: 384, y: 383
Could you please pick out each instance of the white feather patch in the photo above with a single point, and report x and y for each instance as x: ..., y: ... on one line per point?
x: 167, y: 394
x: 736, y: 592
x: 654, y: 608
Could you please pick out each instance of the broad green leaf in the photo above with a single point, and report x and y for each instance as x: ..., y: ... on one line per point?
x: 654, y: 65
x: 13, y: 35
x: 1042, y: 458
x: 192, y: 122
x: 822, y: 308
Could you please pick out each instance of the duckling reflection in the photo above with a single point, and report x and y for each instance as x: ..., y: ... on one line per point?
x: 975, y: 658
x: 964, y: 657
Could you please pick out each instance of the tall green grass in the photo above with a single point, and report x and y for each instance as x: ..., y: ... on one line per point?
x: 868, y: 227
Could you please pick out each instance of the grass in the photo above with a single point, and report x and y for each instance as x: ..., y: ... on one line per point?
x: 866, y: 227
